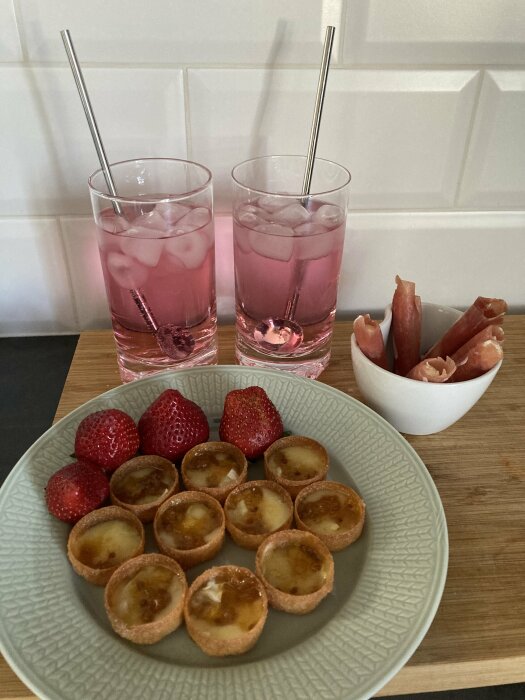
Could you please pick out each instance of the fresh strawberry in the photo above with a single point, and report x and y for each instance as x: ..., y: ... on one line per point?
x: 172, y: 425
x: 76, y: 490
x: 107, y: 438
x: 250, y: 421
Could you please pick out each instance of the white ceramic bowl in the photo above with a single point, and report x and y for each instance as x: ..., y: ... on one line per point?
x: 412, y: 406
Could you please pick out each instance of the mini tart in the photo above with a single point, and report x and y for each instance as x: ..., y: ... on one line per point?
x: 256, y: 509
x: 144, y: 598
x: 297, y: 570
x: 141, y: 484
x: 225, y: 610
x: 332, y: 511
x: 295, y: 462
x: 215, y: 468
x: 190, y: 527
x: 102, y: 540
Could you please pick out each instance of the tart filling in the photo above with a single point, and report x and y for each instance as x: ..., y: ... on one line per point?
x: 214, y: 468
x: 257, y: 510
x: 146, y: 595
x: 145, y: 484
x: 225, y: 610
x: 190, y: 527
x: 102, y: 540
x: 332, y: 511
x: 297, y: 570
x: 106, y: 544
x: 296, y: 461
x: 144, y: 598
x: 141, y: 484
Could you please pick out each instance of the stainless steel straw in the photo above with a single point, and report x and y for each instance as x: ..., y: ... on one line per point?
x: 174, y: 341
x: 291, y: 305
x: 318, y: 109
x: 285, y: 334
x: 90, y: 116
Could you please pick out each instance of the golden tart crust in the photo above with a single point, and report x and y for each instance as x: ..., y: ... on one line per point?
x: 267, y: 508
x: 332, y: 511
x: 208, y: 454
x: 94, y: 542
x: 135, y: 480
x: 157, y: 585
x: 296, y: 461
x: 297, y: 570
x: 225, y: 610
x: 190, y: 515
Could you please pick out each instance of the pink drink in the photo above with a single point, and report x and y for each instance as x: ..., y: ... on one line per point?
x: 279, y: 251
x: 166, y: 252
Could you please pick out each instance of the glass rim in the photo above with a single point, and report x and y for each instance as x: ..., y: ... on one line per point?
x: 298, y: 194
x: 149, y: 199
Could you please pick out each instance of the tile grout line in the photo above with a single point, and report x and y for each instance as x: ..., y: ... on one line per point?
x: 74, y: 302
x: 468, y: 140
x: 22, y: 40
x: 187, y: 118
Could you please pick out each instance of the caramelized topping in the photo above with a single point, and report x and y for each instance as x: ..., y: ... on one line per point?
x: 107, y: 544
x: 213, y: 469
x: 257, y: 510
x: 228, y: 599
x: 296, y: 463
x: 294, y: 568
x: 145, y: 596
x: 326, y: 511
x: 143, y: 485
x: 188, y: 525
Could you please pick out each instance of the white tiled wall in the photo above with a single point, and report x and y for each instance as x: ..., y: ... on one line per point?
x: 425, y: 106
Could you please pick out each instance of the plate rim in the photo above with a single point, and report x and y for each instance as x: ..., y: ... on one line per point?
x: 428, y: 611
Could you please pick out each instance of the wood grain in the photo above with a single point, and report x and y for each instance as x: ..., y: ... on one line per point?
x: 478, y: 635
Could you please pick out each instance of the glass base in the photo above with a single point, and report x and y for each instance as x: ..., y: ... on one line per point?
x: 307, y: 367
x: 131, y: 368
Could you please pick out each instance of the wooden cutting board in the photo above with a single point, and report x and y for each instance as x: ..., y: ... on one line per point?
x: 478, y: 635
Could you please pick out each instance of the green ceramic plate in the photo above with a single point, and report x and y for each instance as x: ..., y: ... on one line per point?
x: 53, y: 628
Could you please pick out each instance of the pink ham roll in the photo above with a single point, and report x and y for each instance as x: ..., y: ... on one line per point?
x: 483, y: 312
x: 488, y: 333
x: 406, y: 326
x: 480, y: 358
x: 370, y: 340
x: 435, y: 370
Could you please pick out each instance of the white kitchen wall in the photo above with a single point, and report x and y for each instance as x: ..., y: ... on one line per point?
x: 425, y: 106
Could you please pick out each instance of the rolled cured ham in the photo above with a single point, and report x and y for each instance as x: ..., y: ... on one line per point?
x: 406, y: 326
x: 479, y: 359
x: 483, y: 312
x: 370, y: 340
x: 489, y: 333
x: 435, y: 370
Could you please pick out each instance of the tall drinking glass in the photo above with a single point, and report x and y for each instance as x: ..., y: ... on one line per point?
x: 156, y: 243
x: 287, y: 252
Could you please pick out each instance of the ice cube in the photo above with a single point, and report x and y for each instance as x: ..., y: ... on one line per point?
x: 273, y: 241
x: 126, y: 272
x: 190, y: 248
x: 292, y: 215
x: 144, y: 244
x: 271, y: 203
x: 152, y: 219
x: 329, y: 215
x: 197, y: 218
x: 171, y: 212
x: 314, y: 241
x: 113, y: 223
